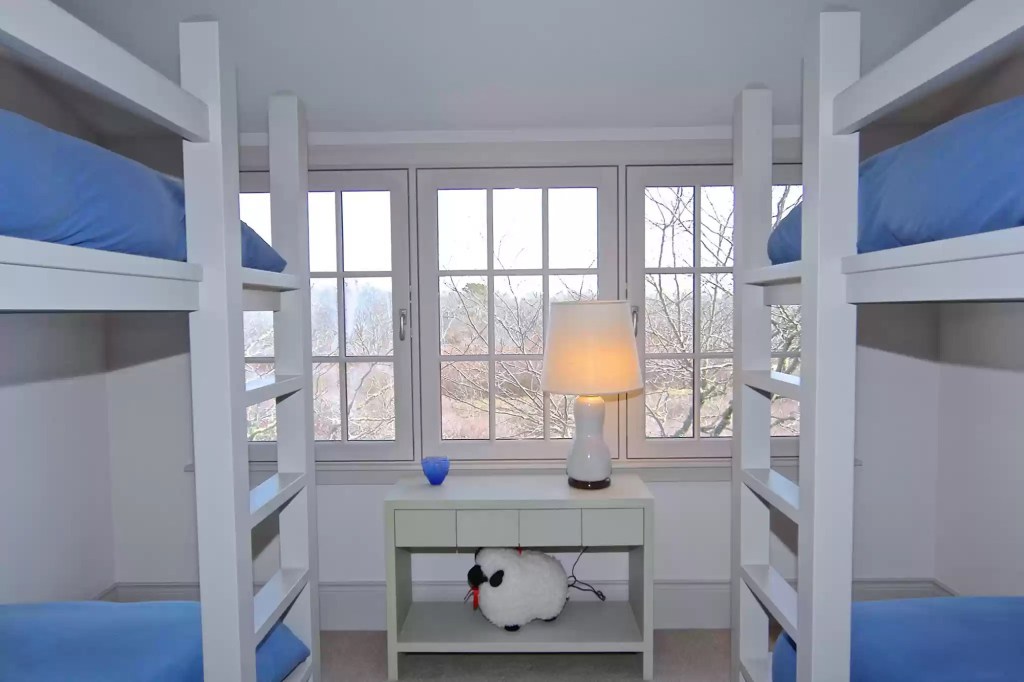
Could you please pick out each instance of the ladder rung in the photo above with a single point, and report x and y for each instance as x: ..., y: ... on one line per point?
x: 260, y: 299
x: 273, y: 494
x: 777, y: 383
x: 264, y: 280
x: 775, y: 594
x: 776, y: 490
x: 271, y: 387
x: 302, y: 673
x: 774, y: 275
x: 275, y: 597
x: 756, y: 669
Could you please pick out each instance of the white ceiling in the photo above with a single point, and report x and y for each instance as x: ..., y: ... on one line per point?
x: 485, y: 65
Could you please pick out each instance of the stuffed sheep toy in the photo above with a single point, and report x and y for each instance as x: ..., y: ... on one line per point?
x: 513, y: 586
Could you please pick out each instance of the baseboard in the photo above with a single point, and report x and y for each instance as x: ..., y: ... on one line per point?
x: 678, y: 604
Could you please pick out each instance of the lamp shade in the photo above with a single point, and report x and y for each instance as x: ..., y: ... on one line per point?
x: 590, y: 349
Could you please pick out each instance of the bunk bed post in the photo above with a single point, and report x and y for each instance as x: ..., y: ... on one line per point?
x: 751, y: 443
x: 829, y: 331
x: 294, y: 348
x: 218, y: 381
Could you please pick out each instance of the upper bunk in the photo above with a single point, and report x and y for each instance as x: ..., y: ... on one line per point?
x: 82, y: 228
x: 958, y: 244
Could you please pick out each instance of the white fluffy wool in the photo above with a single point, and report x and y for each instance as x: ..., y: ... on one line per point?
x: 534, y: 585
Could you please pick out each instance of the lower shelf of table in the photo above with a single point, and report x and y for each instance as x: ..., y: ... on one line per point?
x: 582, y: 626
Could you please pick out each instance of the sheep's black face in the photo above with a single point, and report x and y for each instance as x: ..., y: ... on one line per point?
x: 477, y: 578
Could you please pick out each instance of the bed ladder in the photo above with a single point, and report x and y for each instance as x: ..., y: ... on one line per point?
x: 236, y: 616
x: 815, y: 613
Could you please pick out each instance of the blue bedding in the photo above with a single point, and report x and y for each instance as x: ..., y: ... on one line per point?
x: 949, y: 639
x: 107, y: 642
x: 964, y: 177
x: 57, y: 188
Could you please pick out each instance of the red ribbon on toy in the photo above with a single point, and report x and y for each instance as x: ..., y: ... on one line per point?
x: 476, y: 598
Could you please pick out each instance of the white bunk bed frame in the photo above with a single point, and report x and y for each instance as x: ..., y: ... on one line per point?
x: 215, y: 289
x: 828, y: 283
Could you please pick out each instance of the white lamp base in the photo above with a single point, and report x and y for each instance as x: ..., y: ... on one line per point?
x: 590, y: 462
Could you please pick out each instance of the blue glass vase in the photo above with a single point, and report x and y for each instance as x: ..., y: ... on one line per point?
x: 435, y: 469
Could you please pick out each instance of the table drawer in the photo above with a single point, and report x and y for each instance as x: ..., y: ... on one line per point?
x: 424, y: 528
x: 613, y: 527
x: 487, y: 527
x: 550, y: 528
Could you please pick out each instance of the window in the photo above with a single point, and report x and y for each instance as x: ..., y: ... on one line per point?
x: 680, y: 276
x: 496, y: 247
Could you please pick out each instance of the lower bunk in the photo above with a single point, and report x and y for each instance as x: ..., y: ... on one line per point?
x: 946, y: 639
x: 108, y: 642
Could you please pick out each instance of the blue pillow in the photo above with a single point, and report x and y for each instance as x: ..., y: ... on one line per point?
x: 963, y: 177
x: 58, y: 188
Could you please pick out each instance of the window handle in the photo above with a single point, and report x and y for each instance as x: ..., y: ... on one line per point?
x: 402, y: 315
x: 635, y: 310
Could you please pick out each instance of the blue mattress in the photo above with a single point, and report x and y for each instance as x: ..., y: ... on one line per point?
x: 107, y: 642
x: 950, y: 639
x: 57, y: 188
x: 964, y: 177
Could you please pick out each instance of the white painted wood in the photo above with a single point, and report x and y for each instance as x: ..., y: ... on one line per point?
x: 16, y: 251
x: 776, y: 490
x: 776, y: 383
x: 507, y: 492
x: 550, y: 528
x: 756, y: 669
x: 54, y: 41
x: 784, y: 294
x: 970, y: 247
x: 218, y: 384
x: 272, y: 387
x: 263, y: 280
x: 987, y: 279
x: 274, y: 493
x: 43, y: 289
x: 751, y: 442
x: 276, y: 595
x: 289, y: 172
x: 974, y: 37
x: 828, y: 333
x: 776, y: 595
x: 425, y: 528
x: 613, y: 527
x: 260, y: 300
x: 301, y: 674
x: 487, y: 528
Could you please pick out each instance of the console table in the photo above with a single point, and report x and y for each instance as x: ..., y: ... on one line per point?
x: 539, y: 512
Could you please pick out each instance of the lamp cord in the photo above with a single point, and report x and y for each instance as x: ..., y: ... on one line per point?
x: 577, y: 584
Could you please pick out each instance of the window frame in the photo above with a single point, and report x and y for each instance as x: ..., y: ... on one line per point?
x: 429, y: 181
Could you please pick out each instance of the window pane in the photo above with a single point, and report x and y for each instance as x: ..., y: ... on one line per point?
x: 715, y: 313
x: 463, y: 306
x: 716, y: 398
x: 324, y: 302
x: 517, y: 228
x: 669, y: 313
x: 716, y: 208
x: 787, y: 365
x: 518, y: 317
x: 785, y: 416
x: 668, y: 227
x: 326, y: 401
x: 371, y: 400
x: 261, y: 418
x: 784, y: 198
x: 323, y: 230
x: 668, y: 399
x: 785, y: 328
x: 462, y: 229
x: 561, y: 422
x: 572, y: 227
x: 366, y: 230
x: 258, y: 331
x: 518, y: 400
x: 254, y: 210
x: 465, y: 391
x: 368, y: 316
x: 572, y: 287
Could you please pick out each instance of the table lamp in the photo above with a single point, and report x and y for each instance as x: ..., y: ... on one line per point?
x: 590, y: 352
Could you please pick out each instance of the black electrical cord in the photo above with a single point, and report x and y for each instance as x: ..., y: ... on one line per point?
x: 577, y: 584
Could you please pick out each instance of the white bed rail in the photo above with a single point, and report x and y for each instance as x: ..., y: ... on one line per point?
x: 974, y: 37
x: 54, y: 41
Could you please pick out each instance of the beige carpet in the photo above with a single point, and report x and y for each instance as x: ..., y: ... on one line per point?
x: 679, y: 655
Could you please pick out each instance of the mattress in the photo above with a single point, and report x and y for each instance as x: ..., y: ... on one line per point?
x: 949, y: 639
x: 61, y: 189
x: 108, y: 642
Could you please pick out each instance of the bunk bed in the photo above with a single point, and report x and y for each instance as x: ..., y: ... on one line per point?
x: 86, y: 230
x: 848, y: 246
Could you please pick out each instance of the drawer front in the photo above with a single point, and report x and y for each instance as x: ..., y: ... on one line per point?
x: 613, y: 527
x: 488, y: 528
x: 550, y: 528
x: 424, y: 528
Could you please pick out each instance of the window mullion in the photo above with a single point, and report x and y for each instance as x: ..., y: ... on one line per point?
x: 545, y: 302
x: 491, y: 323
x: 340, y: 275
x: 697, y: 304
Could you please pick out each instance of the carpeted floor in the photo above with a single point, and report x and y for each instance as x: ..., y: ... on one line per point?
x: 690, y: 655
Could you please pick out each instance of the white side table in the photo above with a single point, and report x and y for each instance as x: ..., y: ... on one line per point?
x: 540, y: 512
